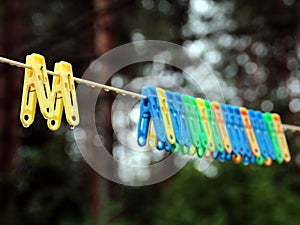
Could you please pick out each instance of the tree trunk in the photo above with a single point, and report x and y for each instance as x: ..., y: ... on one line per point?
x: 11, y: 34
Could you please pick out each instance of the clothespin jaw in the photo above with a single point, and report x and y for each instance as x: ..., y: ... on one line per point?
x: 35, y: 88
x: 63, y: 95
x: 222, y: 128
x: 281, y: 138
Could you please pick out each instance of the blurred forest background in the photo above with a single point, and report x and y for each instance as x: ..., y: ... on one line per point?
x: 253, y: 48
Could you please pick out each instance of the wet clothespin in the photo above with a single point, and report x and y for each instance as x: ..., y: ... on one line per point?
x: 174, y: 114
x: 222, y: 127
x: 281, y: 138
x: 150, y: 107
x: 214, y: 127
x: 228, y: 116
x: 255, y: 150
x: 151, y: 138
x: 36, y: 87
x: 63, y: 95
x: 245, y: 151
x: 165, y: 112
x: 260, y: 139
x: 199, y: 137
x: 207, y: 127
x: 273, y: 135
x: 184, y: 141
x: 266, y: 138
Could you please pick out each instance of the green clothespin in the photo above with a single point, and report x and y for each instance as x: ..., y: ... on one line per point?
x: 273, y: 135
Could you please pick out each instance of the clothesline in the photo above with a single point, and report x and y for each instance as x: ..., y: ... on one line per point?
x: 89, y: 83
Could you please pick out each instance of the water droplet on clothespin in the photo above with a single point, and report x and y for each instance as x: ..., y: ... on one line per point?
x: 26, y: 126
x: 72, y: 127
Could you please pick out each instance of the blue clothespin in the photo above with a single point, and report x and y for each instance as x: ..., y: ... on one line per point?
x: 258, y: 133
x: 266, y: 137
x: 185, y: 136
x: 150, y: 108
x: 175, y: 116
x: 228, y: 116
x: 245, y: 151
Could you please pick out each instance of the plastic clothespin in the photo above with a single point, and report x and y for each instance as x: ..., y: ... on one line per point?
x: 222, y: 127
x: 245, y: 151
x: 150, y: 107
x: 36, y: 87
x: 151, y: 139
x: 206, y: 123
x: 185, y: 135
x: 259, y: 137
x: 175, y: 116
x: 273, y: 135
x: 281, y: 138
x: 255, y: 150
x: 165, y: 112
x: 199, y: 137
x: 214, y: 128
x: 266, y: 138
x: 63, y: 95
x: 228, y: 116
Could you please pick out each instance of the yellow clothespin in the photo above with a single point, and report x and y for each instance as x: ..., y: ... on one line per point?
x: 166, y: 115
x: 281, y: 137
x: 35, y: 88
x: 63, y: 96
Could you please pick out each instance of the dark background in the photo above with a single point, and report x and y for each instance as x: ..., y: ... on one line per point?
x: 253, y: 46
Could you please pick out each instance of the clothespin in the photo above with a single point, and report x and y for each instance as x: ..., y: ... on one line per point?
x: 35, y: 88
x: 281, y: 138
x: 214, y: 128
x: 273, y: 135
x: 199, y: 137
x: 228, y: 116
x: 206, y: 124
x: 260, y: 138
x: 255, y: 150
x: 185, y: 135
x: 165, y: 112
x: 63, y: 95
x: 150, y: 107
x: 222, y: 128
x: 245, y: 151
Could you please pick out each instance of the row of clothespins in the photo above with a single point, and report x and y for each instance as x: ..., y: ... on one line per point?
x: 180, y: 123
x: 51, y: 100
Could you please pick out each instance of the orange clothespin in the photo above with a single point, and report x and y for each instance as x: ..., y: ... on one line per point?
x: 250, y: 133
x: 221, y: 125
